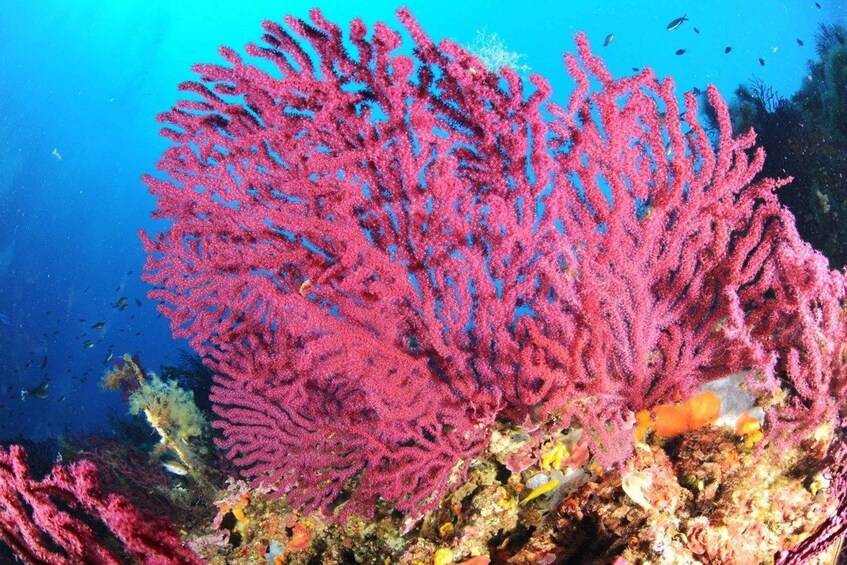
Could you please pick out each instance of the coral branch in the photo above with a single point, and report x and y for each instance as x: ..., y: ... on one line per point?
x: 57, y: 520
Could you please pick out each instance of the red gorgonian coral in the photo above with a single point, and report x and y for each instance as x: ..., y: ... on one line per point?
x: 378, y: 254
x: 63, y: 518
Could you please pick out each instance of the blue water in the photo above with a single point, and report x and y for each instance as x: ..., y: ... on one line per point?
x: 84, y: 81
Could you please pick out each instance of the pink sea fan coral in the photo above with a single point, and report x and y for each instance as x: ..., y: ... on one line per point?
x: 60, y: 518
x: 378, y: 254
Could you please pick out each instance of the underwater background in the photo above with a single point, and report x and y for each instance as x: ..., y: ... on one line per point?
x: 441, y: 320
x: 82, y: 83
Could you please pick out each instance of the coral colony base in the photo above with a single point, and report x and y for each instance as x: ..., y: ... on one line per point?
x: 451, y: 321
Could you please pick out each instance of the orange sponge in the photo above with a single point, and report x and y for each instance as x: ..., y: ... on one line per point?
x: 675, y: 419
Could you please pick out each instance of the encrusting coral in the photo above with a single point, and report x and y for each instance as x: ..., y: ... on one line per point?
x: 700, y: 497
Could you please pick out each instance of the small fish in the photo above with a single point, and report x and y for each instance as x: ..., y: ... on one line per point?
x: 99, y: 325
x: 761, y: 61
x: 608, y: 40
x: 728, y: 49
x: 697, y: 31
x: 680, y: 51
x: 87, y: 344
x: 175, y: 468
x: 44, y: 362
x: 56, y: 154
x: 696, y: 91
x: 61, y: 398
x: 799, y: 42
x: 543, y: 489
x: 138, y: 303
x: 675, y: 23
x: 635, y: 69
x: 5, y: 319
x: 38, y: 392
x: 817, y: 5
x: 108, y: 357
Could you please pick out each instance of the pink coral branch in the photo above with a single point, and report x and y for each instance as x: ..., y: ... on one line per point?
x: 57, y: 519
